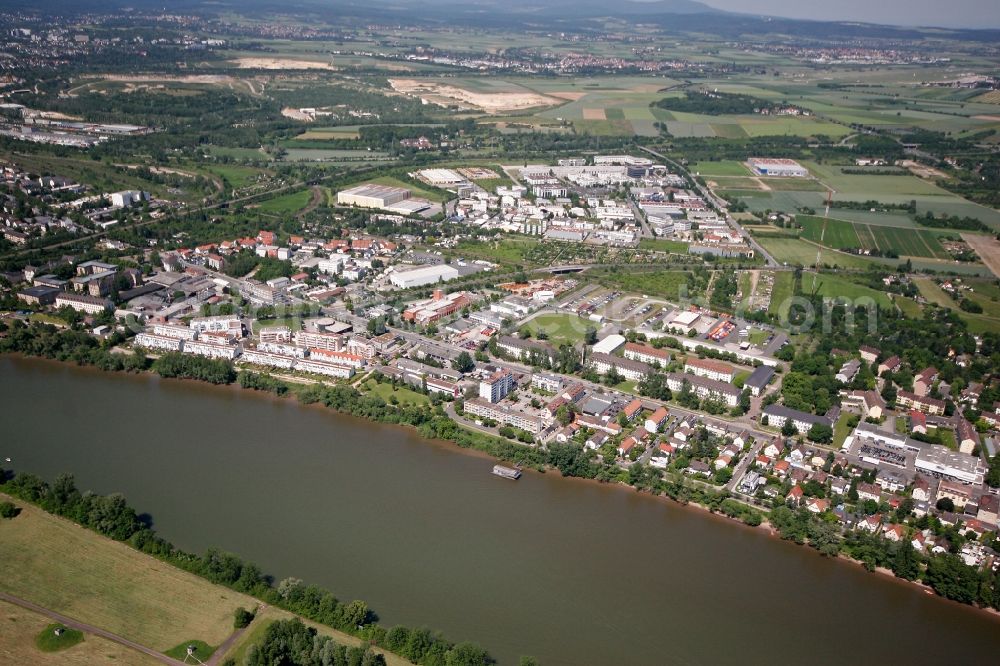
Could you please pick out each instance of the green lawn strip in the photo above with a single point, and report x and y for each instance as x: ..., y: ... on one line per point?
x: 48, y: 641
x: 201, y: 650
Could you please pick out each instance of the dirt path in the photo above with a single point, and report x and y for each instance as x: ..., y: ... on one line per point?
x: 89, y: 628
x: 988, y: 249
x: 227, y: 645
x: 318, y: 196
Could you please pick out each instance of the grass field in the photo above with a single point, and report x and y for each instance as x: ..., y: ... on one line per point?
x: 21, y: 627
x: 145, y: 600
x: 842, y: 234
x: 795, y: 251
x: 669, y: 285
x: 235, y: 176
x: 511, y: 250
x: 977, y: 323
x: 404, y: 395
x: 663, y: 245
x: 561, y: 328
x: 781, y: 292
x: 721, y: 168
x: 286, y: 204
x: 831, y: 286
x: 294, y: 323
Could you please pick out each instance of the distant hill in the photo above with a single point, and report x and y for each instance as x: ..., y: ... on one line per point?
x: 673, y: 16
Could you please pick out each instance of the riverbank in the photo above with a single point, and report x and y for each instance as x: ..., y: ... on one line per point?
x: 335, y: 500
x: 346, y: 400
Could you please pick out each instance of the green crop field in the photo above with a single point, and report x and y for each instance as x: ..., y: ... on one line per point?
x: 832, y: 233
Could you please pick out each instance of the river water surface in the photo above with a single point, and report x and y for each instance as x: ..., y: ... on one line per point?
x: 568, y: 571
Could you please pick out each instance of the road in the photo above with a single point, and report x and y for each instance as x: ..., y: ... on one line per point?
x: 94, y: 631
x: 719, y: 203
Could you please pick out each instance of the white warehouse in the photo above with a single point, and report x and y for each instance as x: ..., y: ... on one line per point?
x: 418, y: 277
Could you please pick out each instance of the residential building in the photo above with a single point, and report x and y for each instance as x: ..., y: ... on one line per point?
x: 705, y: 388
x: 496, y: 387
x: 848, y: 371
x: 549, y: 383
x: 709, y: 368
x: 211, y: 349
x: 38, y: 295
x: 656, y: 420
x: 891, y: 364
x: 486, y: 409
x: 968, y: 438
x: 159, y: 342
x: 633, y: 370
x: 278, y: 334
x: 321, y: 367
x: 759, y: 379
x: 83, y: 303
x: 218, y: 324
x: 803, y: 422
x: 319, y: 340
x: 522, y: 349
x: 920, y: 402
x: 646, y: 354
x: 337, y: 357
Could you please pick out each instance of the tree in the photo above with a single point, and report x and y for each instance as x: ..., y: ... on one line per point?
x: 905, y: 564
x: 242, y: 618
x: 463, y: 362
x: 8, y: 510
x: 788, y: 428
x: 590, y: 336
x: 945, y: 504
x: 821, y: 433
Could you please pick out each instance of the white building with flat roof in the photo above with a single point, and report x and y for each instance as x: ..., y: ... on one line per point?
x: 424, y: 275
x: 370, y: 195
x: 609, y: 345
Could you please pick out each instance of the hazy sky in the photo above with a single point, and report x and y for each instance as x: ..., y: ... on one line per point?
x: 951, y: 13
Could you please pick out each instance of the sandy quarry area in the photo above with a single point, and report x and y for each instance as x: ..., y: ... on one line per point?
x: 988, y: 249
x: 445, y: 95
x: 280, y: 63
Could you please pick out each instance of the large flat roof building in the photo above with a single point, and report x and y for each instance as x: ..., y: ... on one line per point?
x: 418, y: 277
x: 370, y: 195
x: 767, y: 166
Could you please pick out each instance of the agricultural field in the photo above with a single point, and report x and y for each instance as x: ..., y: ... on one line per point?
x: 796, y: 251
x: 235, y: 176
x: 841, y: 234
x: 147, y: 601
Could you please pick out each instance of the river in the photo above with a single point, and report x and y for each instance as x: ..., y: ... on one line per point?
x: 571, y: 572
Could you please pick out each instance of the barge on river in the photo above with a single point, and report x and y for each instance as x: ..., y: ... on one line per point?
x: 507, y: 472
